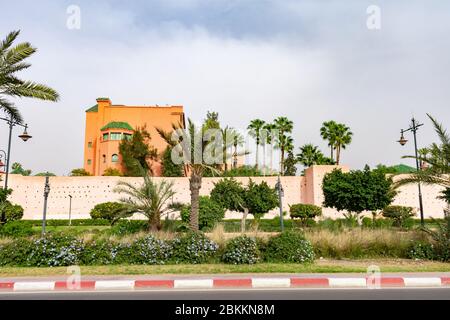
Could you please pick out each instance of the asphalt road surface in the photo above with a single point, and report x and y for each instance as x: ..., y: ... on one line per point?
x: 230, y: 294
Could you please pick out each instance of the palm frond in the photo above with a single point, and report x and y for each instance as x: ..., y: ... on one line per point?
x: 33, y: 90
x: 19, y: 53
x: 6, y: 44
x: 10, y: 110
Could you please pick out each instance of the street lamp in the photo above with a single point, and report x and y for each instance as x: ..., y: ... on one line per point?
x: 414, y: 126
x: 280, y: 189
x: 24, y: 136
x: 70, y: 210
x: 46, y: 193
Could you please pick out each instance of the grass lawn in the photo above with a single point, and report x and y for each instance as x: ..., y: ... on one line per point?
x: 71, y: 228
x: 320, y: 266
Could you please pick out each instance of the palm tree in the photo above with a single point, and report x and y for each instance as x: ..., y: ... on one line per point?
x: 226, y: 143
x: 268, y: 131
x: 192, y: 158
x: 149, y: 198
x: 343, y: 137
x: 238, y: 140
x: 309, y: 155
x: 328, y: 133
x: 284, y: 126
x: 255, y: 128
x: 11, y: 62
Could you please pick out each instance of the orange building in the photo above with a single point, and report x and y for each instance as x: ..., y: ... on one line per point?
x: 107, y: 125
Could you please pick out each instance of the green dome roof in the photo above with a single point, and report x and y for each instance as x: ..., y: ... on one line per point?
x: 117, y: 125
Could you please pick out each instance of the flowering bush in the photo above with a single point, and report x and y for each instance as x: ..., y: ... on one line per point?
x: 241, y: 250
x: 289, y: 247
x: 193, y: 248
x: 421, y: 251
x: 150, y: 250
x: 15, y: 253
x: 97, y: 253
x: 55, y: 250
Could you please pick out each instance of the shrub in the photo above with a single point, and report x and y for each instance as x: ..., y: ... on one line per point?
x: 241, y: 250
x: 112, y: 172
x: 421, y: 251
x: 111, y: 211
x: 55, y: 250
x: 13, y: 212
x: 398, y: 214
x: 128, y: 227
x: 210, y: 212
x: 304, y: 212
x: 80, y: 172
x: 16, y: 229
x: 149, y: 250
x: 15, y: 253
x: 193, y: 248
x: 97, y: 253
x: 289, y: 247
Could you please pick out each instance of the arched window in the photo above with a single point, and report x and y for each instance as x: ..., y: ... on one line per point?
x: 115, y: 158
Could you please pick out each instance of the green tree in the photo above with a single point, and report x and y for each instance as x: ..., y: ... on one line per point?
x: 149, y: 198
x: 12, y: 60
x: 79, y: 173
x: 289, y: 165
x: 255, y: 128
x: 212, y: 121
x: 283, y: 141
x: 343, y: 137
x: 309, y: 155
x: 171, y: 169
x: 17, y: 168
x: 45, y: 174
x: 357, y: 191
x: 255, y: 199
x: 327, y: 131
x: 194, y: 161
x: 238, y: 140
x: 137, y: 148
x: 112, y: 172
x: 210, y: 213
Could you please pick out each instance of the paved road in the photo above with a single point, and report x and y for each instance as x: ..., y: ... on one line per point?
x: 252, y: 294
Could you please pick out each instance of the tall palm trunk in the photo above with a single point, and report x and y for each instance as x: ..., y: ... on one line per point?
x: 264, y: 158
x: 257, y: 155
x: 154, y: 224
x: 282, y: 161
x: 331, y: 153
x: 195, y: 183
x: 271, y: 158
x: 338, y: 154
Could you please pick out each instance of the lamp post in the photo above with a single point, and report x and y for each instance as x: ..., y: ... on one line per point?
x: 24, y: 136
x: 70, y: 210
x: 46, y: 192
x: 280, y: 189
x: 414, y: 126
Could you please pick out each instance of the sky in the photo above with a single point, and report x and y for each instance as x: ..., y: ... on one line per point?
x: 310, y: 61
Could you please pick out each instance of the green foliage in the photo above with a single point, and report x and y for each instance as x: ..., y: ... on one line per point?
x: 17, y: 168
x: 241, y: 250
x: 304, y: 212
x: 289, y: 165
x: 260, y: 198
x: 12, y: 212
x: 243, y: 171
x: 441, y: 239
x: 421, y: 250
x: 55, y: 250
x: 97, y: 253
x: 193, y: 248
x: 112, y: 172
x: 12, y: 61
x: 311, y: 155
x: 149, y: 250
x: 230, y: 194
x: 171, y: 169
x: 290, y: 247
x: 210, y: 212
x: 15, y: 253
x: 398, y: 214
x: 136, y: 152
x: 16, y: 229
x: 80, y: 172
x: 127, y: 227
x: 45, y: 174
x: 111, y: 211
x: 357, y: 190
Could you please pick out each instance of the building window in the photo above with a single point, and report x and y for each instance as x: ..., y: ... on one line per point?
x: 116, y: 136
x: 105, y: 136
x: 127, y: 136
x: 89, y: 162
x: 89, y: 144
x: 104, y: 158
x: 115, y: 158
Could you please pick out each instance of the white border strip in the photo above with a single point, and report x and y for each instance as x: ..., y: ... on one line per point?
x: 117, y: 284
x: 34, y: 286
x: 271, y: 282
x: 194, y: 284
x: 422, y: 282
x: 347, y: 282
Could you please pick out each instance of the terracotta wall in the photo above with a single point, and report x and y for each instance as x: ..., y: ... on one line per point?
x: 89, y: 191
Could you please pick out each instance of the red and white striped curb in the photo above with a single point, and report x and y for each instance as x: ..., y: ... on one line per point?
x: 217, y: 283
